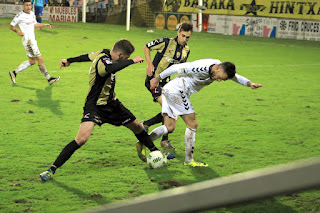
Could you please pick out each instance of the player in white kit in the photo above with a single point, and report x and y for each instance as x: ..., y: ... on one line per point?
x: 26, y: 21
x: 191, y: 78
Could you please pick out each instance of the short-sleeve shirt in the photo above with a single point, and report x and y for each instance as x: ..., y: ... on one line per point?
x: 26, y: 23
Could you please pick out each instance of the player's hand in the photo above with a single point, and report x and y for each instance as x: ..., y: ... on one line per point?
x: 154, y: 83
x: 48, y: 25
x: 150, y: 70
x: 137, y: 59
x: 21, y: 33
x: 64, y: 63
x: 255, y: 85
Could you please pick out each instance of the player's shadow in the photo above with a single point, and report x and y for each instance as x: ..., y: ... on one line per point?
x: 44, y: 99
x: 99, y: 199
x: 168, y: 178
x: 48, y: 31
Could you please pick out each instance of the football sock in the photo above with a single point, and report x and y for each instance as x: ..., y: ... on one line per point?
x: 154, y: 120
x: 158, y: 132
x: 189, y: 142
x: 65, y: 154
x: 39, y: 20
x: 44, y: 71
x: 22, y: 66
x: 144, y: 138
x: 165, y: 137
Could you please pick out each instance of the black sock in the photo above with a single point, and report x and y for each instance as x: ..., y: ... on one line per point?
x: 65, y: 154
x: 154, y: 120
x: 165, y: 137
x: 14, y: 72
x: 145, y: 139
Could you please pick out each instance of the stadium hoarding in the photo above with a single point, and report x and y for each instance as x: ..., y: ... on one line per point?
x: 262, y: 27
x: 11, y: 10
x: 169, y: 21
x: 65, y: 14
x: 308, y: 9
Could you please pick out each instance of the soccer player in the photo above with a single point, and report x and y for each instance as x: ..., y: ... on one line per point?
x: 191, y: 78
x: 27, y: 23
x: 38, y: 8
x: 102, y: 105
x: 169, y: 51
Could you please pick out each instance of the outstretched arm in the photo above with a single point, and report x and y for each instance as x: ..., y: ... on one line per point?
x: 245, y: 82
x: 42, y: 25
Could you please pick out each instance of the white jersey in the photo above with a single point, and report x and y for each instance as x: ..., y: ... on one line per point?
x: 193, y: 76
x: 26, y: 23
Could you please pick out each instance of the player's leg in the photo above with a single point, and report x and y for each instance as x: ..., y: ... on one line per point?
x: 189, y: 140
x: 82, y: 137
x: 24, y: 65
x: 38, y: 13
x: 168, y: 127
x: 44, y: 71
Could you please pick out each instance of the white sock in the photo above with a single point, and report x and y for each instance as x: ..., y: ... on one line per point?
x: 189, y: 142
x: 44, y: 71
x: 24, y: 65
x: 158, y: 132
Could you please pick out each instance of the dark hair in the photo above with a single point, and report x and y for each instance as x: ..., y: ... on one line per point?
x: 186, y: 26
x: 25, y: 1
x: 229, y: 68
x: 124, y: 46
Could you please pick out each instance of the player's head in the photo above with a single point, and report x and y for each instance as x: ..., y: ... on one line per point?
x: 184, y: 32
x: 122, y: 50
x: 224, y: 71
x: 26, y: 6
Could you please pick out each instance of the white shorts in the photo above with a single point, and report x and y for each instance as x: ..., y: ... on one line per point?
x: 31, y: 47
x: 175, y: 102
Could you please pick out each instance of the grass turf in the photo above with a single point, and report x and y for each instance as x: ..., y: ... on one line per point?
x: 239, y: 129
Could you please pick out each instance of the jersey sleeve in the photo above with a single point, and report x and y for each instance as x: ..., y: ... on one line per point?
x: 240, y: 79
x: 176, y: 68
x: 15, y: 20
x: 106, y: 66
x: 158, y: 44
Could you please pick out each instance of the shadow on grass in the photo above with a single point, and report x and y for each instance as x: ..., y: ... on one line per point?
x: 99, y: 199
x: 168, y: 178
x: 44, y: 99
x: 48, y: 31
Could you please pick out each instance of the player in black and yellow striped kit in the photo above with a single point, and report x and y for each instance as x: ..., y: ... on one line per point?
x: 169, y: 51
x: 102, y: 105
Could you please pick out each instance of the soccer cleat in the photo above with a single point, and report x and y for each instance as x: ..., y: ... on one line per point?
x: 47, y: 175
x: 141, y: 150
x: 169, y: 155
x: 13, y: 76
x: 166, y: 144
x: 194, y: 163
x: 53, y: 80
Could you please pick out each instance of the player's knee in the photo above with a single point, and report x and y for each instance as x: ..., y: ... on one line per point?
x: 32, y: 61
x: 171, y: 128
x: 82, y: 139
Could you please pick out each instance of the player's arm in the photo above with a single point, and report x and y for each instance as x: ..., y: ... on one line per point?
x: 106, y: 67
x: 177, y: 68
x: 79, y: 58
x: 37, y: 25
x: 20, y: 33
x: 150, y: 67
x: 245, y: 82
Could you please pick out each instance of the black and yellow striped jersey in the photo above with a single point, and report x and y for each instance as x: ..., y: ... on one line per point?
x: 102, y: 76
x: 169, y: 52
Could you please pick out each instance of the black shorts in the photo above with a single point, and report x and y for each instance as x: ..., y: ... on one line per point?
x: 114, y: 113
x: 156, y: 93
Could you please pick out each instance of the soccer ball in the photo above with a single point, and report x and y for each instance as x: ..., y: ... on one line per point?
x: 156, y: 159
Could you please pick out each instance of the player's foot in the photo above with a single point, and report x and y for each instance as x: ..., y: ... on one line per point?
x: 169, y: 155
x: 194, y: 163
x: 53, y: 80
x: 47, y: 175
x: 141, y: 150
x: 166, y: 144
x: 13, y: 76
x: 145, y: 126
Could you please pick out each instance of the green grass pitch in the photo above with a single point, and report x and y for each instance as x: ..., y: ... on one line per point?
x: 239, y: 129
